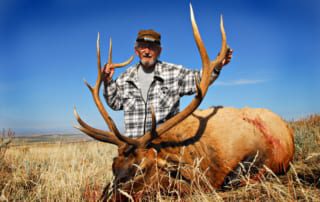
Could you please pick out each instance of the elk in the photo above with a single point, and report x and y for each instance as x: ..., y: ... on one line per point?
x: 218, y: 142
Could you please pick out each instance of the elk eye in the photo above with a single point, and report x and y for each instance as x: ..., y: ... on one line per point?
x: 131, y: 149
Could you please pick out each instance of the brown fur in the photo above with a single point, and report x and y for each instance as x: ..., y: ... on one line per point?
x: 213, y: 142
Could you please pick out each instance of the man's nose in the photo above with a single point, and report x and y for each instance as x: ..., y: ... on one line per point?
x: 146, y: 50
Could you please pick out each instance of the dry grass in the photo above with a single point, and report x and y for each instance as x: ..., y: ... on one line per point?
x: 63, y: 172
x: 78, y: 172
x: 307, y: 136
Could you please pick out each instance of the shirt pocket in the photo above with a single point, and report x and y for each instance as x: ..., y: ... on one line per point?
x: 164, y: 97
x: 168, y: 103
x: 167, y: 97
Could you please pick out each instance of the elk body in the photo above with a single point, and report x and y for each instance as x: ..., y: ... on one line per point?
x: 206, y: 148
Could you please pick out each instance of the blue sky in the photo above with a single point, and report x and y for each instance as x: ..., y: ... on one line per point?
x: 48, y: 47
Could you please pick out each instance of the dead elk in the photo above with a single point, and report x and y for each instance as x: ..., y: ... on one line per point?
x: 206, y: 148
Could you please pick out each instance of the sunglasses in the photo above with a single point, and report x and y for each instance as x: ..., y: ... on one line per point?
x: 151, y: 46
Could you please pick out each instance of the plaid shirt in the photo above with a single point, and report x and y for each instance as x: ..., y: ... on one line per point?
x: 169, y: 84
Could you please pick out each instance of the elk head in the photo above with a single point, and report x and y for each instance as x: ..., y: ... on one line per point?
x: 137, y: 155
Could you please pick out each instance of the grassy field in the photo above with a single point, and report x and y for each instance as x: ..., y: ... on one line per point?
x: 73, y: 169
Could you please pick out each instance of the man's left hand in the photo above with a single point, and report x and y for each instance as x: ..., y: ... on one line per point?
x: 228, y: 57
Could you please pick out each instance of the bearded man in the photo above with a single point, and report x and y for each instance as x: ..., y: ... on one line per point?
x: 150, y: 84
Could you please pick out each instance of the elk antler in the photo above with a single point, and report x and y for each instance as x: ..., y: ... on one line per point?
x: 115, y: 136
x: 202, y: 87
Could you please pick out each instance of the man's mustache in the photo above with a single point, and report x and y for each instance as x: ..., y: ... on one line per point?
x: 148, y: 55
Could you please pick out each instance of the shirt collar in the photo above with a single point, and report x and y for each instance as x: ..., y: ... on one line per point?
x: 133, y: 75
x: 157, y: 71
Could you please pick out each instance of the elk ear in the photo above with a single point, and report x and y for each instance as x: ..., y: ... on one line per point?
x: 153, y: 152
x: 148, y: 157
x: 161, y: 162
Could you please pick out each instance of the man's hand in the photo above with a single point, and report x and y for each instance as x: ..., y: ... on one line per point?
x: 108, y: 71
x: 227, y: 59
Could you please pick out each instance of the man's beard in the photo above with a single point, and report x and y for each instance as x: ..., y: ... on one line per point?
x: 148, y: 63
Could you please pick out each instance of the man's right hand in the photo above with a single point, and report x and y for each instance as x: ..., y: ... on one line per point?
x: 108, y: 71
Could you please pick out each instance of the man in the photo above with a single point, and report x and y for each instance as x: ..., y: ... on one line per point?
x: 150, y: 83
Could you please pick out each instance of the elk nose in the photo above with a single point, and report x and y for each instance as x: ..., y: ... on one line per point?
x: 121, y: 175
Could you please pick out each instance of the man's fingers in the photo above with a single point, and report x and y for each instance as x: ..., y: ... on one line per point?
x: 108, y: 68
x: 111, y: 72
x: 229, y: 56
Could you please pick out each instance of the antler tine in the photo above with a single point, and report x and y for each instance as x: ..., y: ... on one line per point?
x: 202, y: 87
x: 224, y: 47
x: 197, y: 37
x: 110, y: 52
x: 154, y: 122
x: 97, y: 134
x: 119, y: 64
x: 123, y: 63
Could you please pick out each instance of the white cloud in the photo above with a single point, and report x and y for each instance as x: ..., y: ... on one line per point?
x: 239, y: 82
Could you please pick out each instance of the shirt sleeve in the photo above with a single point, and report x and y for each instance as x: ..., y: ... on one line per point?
x: 112, y: 95
x: 187, y: 80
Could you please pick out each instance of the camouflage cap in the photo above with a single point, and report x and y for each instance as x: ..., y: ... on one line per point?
x: 149, y: 35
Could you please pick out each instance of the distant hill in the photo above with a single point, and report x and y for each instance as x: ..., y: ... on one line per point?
x: 50, y: 138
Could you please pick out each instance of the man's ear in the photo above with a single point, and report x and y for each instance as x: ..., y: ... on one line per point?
x: 160, y: 49
x: 136, y: 51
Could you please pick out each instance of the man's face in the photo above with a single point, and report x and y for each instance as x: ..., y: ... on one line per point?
x: 148, y: 53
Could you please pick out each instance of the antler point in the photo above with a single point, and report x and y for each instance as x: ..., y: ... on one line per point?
x: 191, y: 13
x: 75, y: 113
x: 87, y: 84
x: 77, y: 127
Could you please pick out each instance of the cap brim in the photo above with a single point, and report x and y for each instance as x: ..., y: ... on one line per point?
x: 148, y: 40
